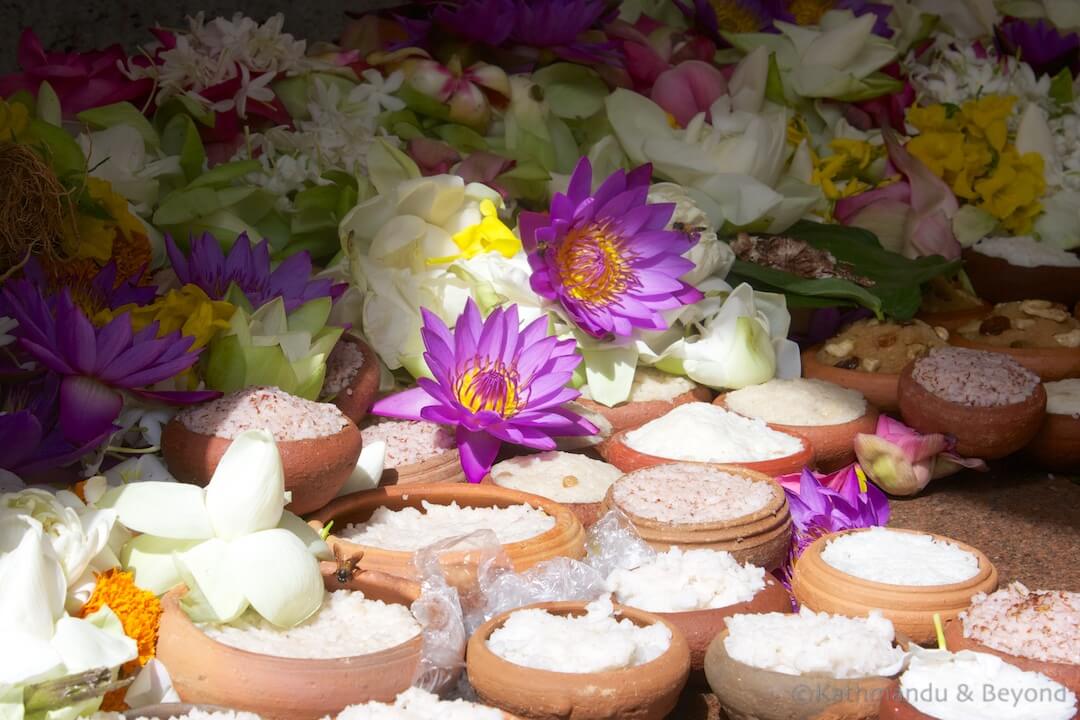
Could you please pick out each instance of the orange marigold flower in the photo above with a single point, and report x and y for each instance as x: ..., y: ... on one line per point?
x: 139, y: 611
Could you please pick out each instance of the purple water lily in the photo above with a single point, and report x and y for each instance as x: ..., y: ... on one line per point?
x: 606, y: 257
x: 494, y: 383
x: 1041, y: 45
x: 248, y: 267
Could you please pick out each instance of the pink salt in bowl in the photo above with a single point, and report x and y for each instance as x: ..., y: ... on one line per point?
x: 416, y: 452
x: 352, y: 377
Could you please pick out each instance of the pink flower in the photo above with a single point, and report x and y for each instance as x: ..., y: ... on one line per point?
x: 687, y: 89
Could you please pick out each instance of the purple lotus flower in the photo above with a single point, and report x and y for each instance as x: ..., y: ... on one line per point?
x: 494, y: 383
x: 606, y: 257
x: 94, y: 364
x: 248, y: 267
x: 1041, y: 45
x: 486, y: 22
x: 102, y: 291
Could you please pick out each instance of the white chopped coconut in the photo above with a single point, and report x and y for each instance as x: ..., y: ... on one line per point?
x: 1026, y: 252
x: 1063, y: 397
x: 701, y: 432
x: 978, y: 686
x: 559, y: 476
x: 651, y: 384
x: 798, y: 402
x: 409, y: 529
x: 1044, y: 625
x: 899, y: 558
x: 285, y: 416
x: 678, y: 581
x: 418, y: 704
x: 683, y: 493
x: 590, y: 643
x: 812, y: 642
x: 346, y: 625
x: 409, y: 441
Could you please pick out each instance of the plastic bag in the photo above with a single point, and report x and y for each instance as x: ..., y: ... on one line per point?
x: 614, y: 544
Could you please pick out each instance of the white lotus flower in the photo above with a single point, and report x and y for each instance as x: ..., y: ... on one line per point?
x: 711, y: 257
x: 967, y: 19
x: 118, y: 155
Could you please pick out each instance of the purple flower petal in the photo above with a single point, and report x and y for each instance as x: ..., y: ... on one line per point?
x: 478, y: 451
x: 87, y: 407
x: 405, y: 405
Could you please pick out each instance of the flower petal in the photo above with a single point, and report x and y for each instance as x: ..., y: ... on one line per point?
x: 247, y: 492
x: 87, y: 408
x: 279, y: 576
x: 166, y: 509
x: 150, y: 558
x: 212, y: 583
x: 478, y: 451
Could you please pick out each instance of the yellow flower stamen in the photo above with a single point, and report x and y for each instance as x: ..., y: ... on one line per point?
x: 92, y: 237
x: 731, y: 16
x: 809, y: 12
x: 139, y: 611
x: 490, y: 386
x: 488, y: 235
x: 592, y: 266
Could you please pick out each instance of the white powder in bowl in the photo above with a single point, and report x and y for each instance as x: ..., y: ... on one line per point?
x: 559, y: 476
x: 812, y: 642
x: 285, y: 416
x: 1063, y: 397
x: 689, y: 494
x: 1042, y: 625
x: 409, y: 441
x: 650, y: 385
x: 417, y: 704
x: 977, y: 686
x: 701, y: 432
x: 346, y: 625
x: 899, y: 558
x: 590, y: 643
x: 1026, y: 252
x: 677, y: 581
x: 344, y: 363
x: 798, y: 402
x: 410, y: 529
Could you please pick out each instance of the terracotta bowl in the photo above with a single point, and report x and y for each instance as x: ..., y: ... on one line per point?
x: 999, y: 281
x: 632, y: 414
x: 833, y: 445
x: 952, y: 320
x: 315, y: 469
x: 1056, y: 446
x: 586, y: 513
x: 879, y: 389
x: 761, y: 538
x: 164, y: 711
x: 895, y: 707
x: 356, y: 399
x: 1064, y: 673
x: 750, y: 693
x: 206, y: 671
x: 1048, y: 363
x: 983, y: 432
x: 645, y: 692
x: 567, y: 538
x: 622, y: 456
x: 821, y: 587
x: 442, y: 468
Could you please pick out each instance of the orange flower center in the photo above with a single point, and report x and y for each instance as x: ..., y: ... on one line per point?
x: 592, y: 266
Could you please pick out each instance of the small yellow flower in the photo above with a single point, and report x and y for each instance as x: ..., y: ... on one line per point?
x: 14, y: 119
x: 488, y: 235
x: 942, y: 152
x: 93, y: 237
x: 189, y: 310
x: 988, y: 117
x: 139, y: 611
x: 934, y: 118
x: 1011, y: 192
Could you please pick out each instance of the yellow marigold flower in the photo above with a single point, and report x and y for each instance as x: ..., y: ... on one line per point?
x: 93, y: 237
x: 488, y: 235
x: 942, y: 152
x: 1011, y: 192
x: 858, y: 153
x: 934, y: 118
x: 189, y: 310
x: 988, y: 117
x: 14, y: 119
x: 139, y: 611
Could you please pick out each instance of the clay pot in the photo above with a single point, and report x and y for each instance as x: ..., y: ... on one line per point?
x: 750, y: 693
x: 821, y: 587
x: 315, y: 469
x: 761, y: 538
x: 1048, y: 363
x: 566, y: 539
x: 982, y: 432
x: 1065, y: 673
x: 998, y: 281
x: 645, y: 692
x: 879, y: 389
x: 586, y: 513
x: 442, y: 468
x: 832, y: 444
x: 634, y: 414
x: 206, y: 671
x: 356, y: 399
x: 952, y: 320
x: 895, y: 707
x: 622, y: 456
x: 1056, y: 446
x: 164, y: 711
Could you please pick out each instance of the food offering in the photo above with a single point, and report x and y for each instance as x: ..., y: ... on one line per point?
x: 1039, y: 334
x: 1006, y: 269
x: 415, y: 451
x: 571, y: 479
x: 1057, y: 444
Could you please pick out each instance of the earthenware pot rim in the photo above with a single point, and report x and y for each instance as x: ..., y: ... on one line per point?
x: 641, y: 618
x: 446, y: 456
x: 690, y: 395
x: 775, y: 507
x: 807, y: 450
x: 1026, y: 268
x: 985, y: 566
x: 959, y: 340
x: 489, y: 480
x: 908, y: 376
x: 869, y: 410
x: 810, y: 355
x: 350, y: 425
x: 171, y: 603
x: 770, y: 581
x: 988, y: 649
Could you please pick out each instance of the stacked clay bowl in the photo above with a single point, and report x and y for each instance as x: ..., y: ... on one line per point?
x: 1056, y: 446
x: 879, y: 389
x: 911, y: 608
x: 997, y: 280
x: 644, y: 692
x: 439, y: 464
x: 1048, y: 363
x: 356, y: 398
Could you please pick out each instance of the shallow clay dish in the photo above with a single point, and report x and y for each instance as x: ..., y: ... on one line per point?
x: 1056, y: 446
x: 644, y: 692
x: 586, y: 513
x: 911, y: 608
x: 761, y: 538
x: 566, y: 539
x: 833, y: 445
x: 206, y: 671
x: 1064, y: 673
x: 315, y: 469
x: 952, y: 320
x: 879, y: 389
x: 442, y: 468
x: 632, y: 414
x: 749, y: 693
x: 356, y: 399
x: 1049, y: 364
x: 981, y: 432
x: 997, y: 280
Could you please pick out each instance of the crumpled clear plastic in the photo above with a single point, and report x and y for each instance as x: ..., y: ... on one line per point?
x: 613, y: 544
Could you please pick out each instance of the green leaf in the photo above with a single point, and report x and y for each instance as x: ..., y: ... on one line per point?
x: 388, y: 167
x: 181, y: 137
x: 225, y: 173
x: 774, y: 83
x: 63, y: 152
x: 463, y: 139
x: 121, y: 113
x: 770, y: 279
x: 320, y: 197
x: 872, y: 86
x: 1061, y: 88
x: 199, y: 202
x: 571, y: 91
x: 423, y: 104
x: 310, y: 317
x: 48, y: 105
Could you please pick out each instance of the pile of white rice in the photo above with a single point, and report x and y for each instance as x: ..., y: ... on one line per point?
x: 1026, y: 251
x: 651, y: 385
x: 899, y: 558
x: 590, y: 643
x: 702, y: 432
x: 559, y: 476
x: 346, y: 625
x: 812, y: 642
x: 410, y: 529
x: 689, y: 494
x: 977, y: 686
x: 798, y: 402
x: 681, y: 581
x: 1043, y: 625
x: 1063, y: 397
x: 417, y: 704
